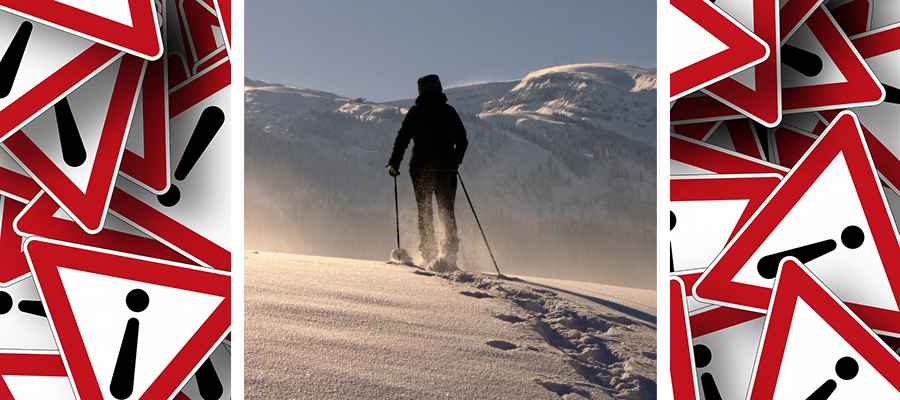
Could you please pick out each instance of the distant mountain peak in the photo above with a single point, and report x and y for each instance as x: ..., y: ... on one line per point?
x: 622, y: 76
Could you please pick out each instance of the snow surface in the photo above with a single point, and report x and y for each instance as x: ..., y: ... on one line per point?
x: 334, y: 328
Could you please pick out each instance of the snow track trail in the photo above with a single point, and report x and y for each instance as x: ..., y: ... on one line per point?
x: 335, y: 328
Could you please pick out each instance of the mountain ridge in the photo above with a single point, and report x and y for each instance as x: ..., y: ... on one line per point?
x: 547, y: 171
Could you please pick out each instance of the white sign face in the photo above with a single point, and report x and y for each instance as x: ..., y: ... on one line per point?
x: 168, y: 319
x: 23, y: 322
x: 727, y: 351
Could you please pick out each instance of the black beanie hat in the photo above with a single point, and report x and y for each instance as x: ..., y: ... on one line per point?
x: 429, y: 84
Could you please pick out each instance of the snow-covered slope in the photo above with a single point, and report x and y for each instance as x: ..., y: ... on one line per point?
x: 334, y: 328
x: 617, y: 97
x: 267, y: 101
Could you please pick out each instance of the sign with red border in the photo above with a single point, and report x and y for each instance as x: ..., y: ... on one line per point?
x: 189, y: 218
x: 149, y: 166
x: 51, y: 64
x: 814, y: 344
x: 829, y: 209
x: 707, y: 210
x: 741, y: 50
x: 192, y: 305
x: 131, y: 26
x: 41, y: 218
x: 761, y: 99
x: 77, y: 166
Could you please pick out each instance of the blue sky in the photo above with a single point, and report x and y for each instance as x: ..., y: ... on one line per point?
x: 377, y: 49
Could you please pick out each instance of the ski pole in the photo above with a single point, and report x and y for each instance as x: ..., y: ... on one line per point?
x: 397, y: 212
x: 478, y: 222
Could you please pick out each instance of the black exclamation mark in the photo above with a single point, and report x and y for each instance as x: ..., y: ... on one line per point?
x: 846, y: 368
x: 672, y: 221
x: 122, y: 383
x: 6, y: 303
x: 802, y: 61
x: 851, y: 237
x: 73, y: 150
x: 211, y: 119
x: 892, y: 94
x: 33, y: 307
x: 9, y: 64
x: 703, y: 356
x: 208, y: 381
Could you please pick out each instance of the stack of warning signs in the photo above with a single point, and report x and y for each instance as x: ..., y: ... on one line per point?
x: 785, y: 254
x: 115, y: 187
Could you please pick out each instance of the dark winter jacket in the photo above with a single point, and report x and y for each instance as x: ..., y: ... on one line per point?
x: 438, y: 135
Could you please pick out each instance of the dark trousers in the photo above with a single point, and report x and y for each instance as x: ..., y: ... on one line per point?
x: 441, y: 184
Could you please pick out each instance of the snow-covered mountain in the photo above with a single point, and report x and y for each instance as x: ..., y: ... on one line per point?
x: 561, y: 166
x: 621, y: 98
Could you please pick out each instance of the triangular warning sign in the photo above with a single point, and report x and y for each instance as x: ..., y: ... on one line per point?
x: 146, y: 158
x: 132, y: 26
x: 163, y: 319
x: 693, y: 157
x: 707, y: 210
x: 829, y: 211
x: 815, y: 347
x: 754, y: 92
x: 822, y: 70
x: 33, y: 377
x: 43, y: 217
x: 45, y: 65
x: 73, y: 151
x: 684, y: 380
x: 707, y: 46
x: 794, y: 13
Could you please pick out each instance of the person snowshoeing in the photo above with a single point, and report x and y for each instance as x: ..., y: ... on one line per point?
x: 439, y: 144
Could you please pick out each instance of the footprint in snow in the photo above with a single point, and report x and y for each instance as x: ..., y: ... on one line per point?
x: 509, y: 318
x: 477, y: 295
x: 501, y: 344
